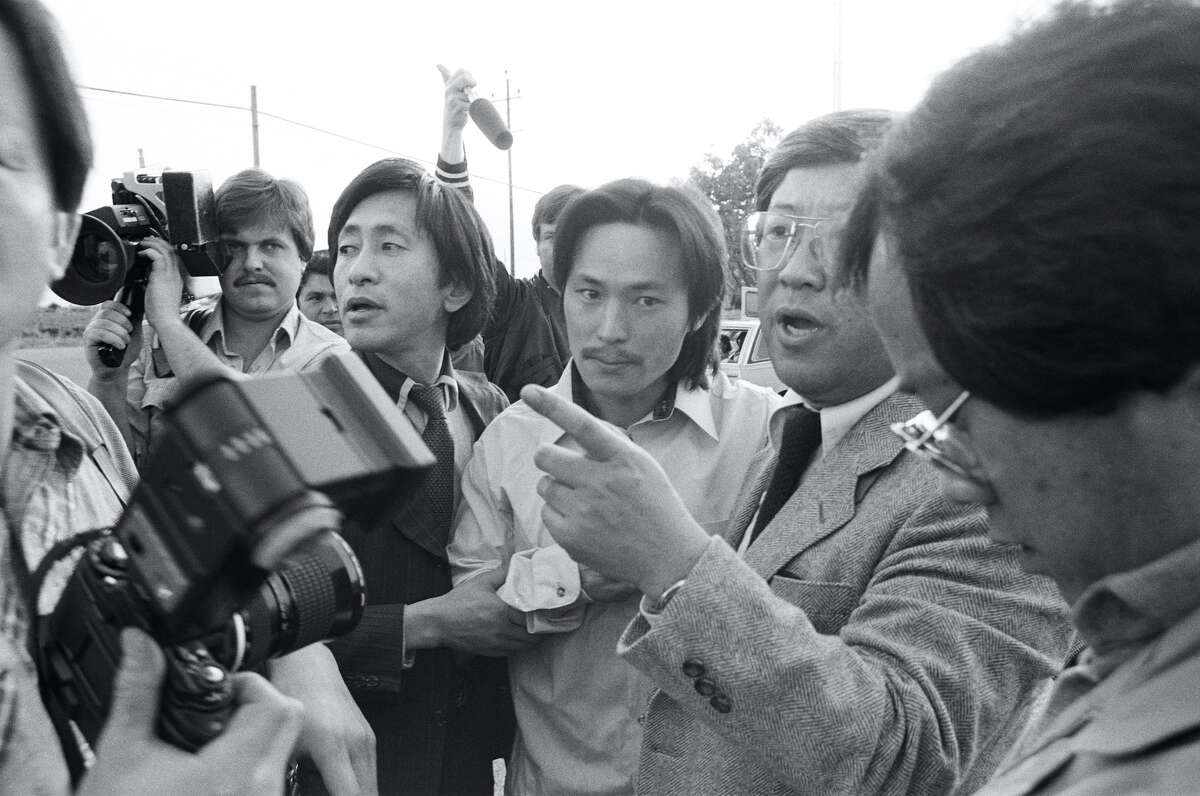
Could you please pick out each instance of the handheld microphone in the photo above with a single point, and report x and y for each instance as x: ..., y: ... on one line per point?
x: 488, y: 120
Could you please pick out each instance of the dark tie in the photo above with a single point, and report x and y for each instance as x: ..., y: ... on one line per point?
x: 801, y: 437
x: 438, y: 488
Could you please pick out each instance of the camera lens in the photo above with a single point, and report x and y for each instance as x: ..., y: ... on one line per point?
x: 316, y: 595
x: 98, y: 265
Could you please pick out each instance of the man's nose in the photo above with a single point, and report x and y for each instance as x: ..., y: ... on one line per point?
x: 804, y: 264
x: 614, y: 322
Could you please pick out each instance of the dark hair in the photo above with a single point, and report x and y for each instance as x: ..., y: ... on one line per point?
x: 459, y: 236
x: 841, y: 137
x: 686, y: 217
x: 254, y: 197
x: 551, y: 204
x: 1043, y: 203
x: 62, y: 123
x: 318, y: 265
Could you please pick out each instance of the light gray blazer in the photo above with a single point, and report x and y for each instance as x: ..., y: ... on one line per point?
x: 872, y: 641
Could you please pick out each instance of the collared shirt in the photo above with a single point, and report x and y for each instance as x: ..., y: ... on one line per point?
x: 836, y: 421
x: 577, y: 704
x: 52, y: 488
x: 1111, y: 722
x: 297, y: 344
x: 398, y: 386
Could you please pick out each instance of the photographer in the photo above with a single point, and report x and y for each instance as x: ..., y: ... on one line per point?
x: 253, y: 327
x: 64, y: 466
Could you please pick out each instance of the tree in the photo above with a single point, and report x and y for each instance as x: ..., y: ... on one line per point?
x: 729, y: 185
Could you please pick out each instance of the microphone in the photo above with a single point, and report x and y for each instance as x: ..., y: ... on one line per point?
x: 488, y: 120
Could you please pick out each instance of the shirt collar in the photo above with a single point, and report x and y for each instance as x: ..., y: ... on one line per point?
x: 837, y: 420
x: 1128, y: 607
x: 692, y: 403
x: 38, y: 426
x: 398, y: 385
x: 214, y: 325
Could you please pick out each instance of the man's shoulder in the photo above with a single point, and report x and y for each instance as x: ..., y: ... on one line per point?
x: 80, y: 410
x: 485, y: 397
x: 311, y: 343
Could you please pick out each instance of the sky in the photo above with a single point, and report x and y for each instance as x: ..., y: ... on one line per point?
x: 602, y: 90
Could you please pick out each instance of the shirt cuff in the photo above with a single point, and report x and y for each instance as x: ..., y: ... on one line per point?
x: 408, y: 658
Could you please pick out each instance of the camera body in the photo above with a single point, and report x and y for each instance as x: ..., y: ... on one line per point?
x: 228, y: 552
x: 177, y: 206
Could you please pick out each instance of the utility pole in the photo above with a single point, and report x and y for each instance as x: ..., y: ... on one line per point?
x: 254, y: 120
x: 837, y: 54
x: 512, y: 243
x: 141, y: 159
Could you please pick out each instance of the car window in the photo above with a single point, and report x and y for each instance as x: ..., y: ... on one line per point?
x: 759, y: 352
x: 731, y: 342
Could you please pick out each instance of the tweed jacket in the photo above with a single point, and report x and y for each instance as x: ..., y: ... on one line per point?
x: 873, y: 640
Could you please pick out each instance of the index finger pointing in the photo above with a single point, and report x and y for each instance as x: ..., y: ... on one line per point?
x: 599, y: 441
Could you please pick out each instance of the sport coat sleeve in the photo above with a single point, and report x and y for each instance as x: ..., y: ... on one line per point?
x: 899, y: 689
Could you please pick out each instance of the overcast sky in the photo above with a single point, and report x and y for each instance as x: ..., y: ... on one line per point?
x: 612, y: 90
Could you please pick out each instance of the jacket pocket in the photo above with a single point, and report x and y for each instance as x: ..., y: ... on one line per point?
x: 828, y: 605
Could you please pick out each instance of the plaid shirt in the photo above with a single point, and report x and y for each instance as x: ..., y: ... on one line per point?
x: 51, y: 487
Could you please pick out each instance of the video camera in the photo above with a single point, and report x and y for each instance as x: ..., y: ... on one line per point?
x: 245, y: 474
x: 177, y: 206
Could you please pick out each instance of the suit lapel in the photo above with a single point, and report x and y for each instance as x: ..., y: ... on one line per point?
x: 828, y: 494
x: 758, y: 476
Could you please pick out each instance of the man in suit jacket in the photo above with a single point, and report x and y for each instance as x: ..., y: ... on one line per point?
x: 413, y: 270
x: 855, y: 632
x: 1074, y: 197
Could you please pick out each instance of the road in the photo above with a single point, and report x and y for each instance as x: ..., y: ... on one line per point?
x: 66, y: 361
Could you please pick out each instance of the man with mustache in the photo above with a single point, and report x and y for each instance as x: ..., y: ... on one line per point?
x: 253, y: 326
x: 640, y: 269
x: 413, y: 269
x: 853, y: 632
x: 1029, y: 247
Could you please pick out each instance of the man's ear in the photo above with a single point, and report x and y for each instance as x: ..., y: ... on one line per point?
x: 66, y: 230
x: 456, y: 297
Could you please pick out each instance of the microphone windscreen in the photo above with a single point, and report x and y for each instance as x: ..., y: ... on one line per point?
x: 488, y: 120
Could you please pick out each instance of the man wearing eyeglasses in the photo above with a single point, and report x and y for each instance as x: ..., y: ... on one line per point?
x: 854, y: 632
x: 1068, y: 391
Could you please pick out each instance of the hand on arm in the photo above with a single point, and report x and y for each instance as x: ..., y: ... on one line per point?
x: 335, y: 734
x: 250, y: 757
x: 468, y: 618
x: 612, y: 507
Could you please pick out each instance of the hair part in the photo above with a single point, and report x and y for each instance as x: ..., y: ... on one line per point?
x: 1042, y: 202
x: 253, y: 197
x: 62, y: 122
x: 687, y: 218
x: 550, y: 206
x: 460, y: 238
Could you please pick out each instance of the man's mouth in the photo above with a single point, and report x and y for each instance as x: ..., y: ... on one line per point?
x: 612, y: 358
x: 796, y: 325
x: 359, y: 304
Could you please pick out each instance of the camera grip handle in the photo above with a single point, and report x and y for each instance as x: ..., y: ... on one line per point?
x: 133, y: 296
x: 197, y: 700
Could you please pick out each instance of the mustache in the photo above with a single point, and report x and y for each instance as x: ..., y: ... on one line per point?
x: 254, y: 279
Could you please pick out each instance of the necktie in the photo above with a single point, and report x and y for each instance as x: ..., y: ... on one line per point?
x: 438, y: 488
x: 801, y: 438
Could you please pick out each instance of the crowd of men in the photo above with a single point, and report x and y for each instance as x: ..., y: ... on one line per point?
x: 959, y: 554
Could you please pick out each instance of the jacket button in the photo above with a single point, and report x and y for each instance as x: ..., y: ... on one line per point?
x: 642, y: 719
x: 371, y: 681
x: 693, y: 668
x: 705, y: 686
x: 720, y: 703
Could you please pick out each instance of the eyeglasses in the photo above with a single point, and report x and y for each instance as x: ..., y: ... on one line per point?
x: 769, y: 239
x: 928, y: 436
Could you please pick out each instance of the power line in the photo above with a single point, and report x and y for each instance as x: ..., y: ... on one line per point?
x: 306, y: 126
